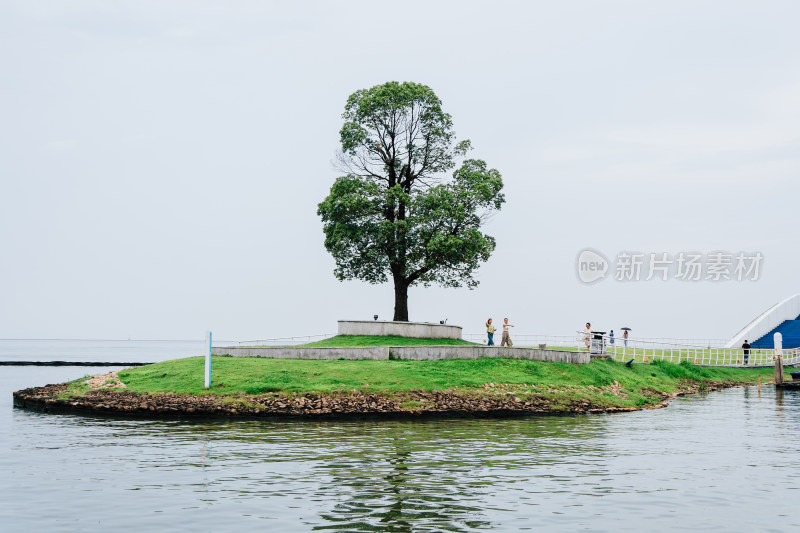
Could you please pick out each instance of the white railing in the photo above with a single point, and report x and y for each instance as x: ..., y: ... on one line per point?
x: 701, y: 352
x: 287, y: 341
x: 646, y: 352
x: 683, y: 341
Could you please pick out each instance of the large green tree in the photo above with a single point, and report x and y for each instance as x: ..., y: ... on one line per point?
x: 397, y: 211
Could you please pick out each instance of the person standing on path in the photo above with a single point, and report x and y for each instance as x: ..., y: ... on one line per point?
x: 490, y: 329
x: 506, y: 340
x: 625, y: 338
x: 746, y: 349
x: 587, y: 336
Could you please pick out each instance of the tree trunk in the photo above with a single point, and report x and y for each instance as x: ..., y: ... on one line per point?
x: 400, y: 300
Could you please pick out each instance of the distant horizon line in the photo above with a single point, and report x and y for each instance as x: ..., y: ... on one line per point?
x: 122, y: 340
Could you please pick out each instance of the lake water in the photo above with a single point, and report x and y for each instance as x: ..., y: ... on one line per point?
x: 726, y: 460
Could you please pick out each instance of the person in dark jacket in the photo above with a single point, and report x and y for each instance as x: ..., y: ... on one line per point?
x: 746, y: 348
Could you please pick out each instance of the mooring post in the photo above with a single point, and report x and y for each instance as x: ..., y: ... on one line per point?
x: 777, y: 340
x: 778, y: 369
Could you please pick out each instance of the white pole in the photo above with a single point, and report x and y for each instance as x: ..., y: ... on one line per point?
x: 208, y: 360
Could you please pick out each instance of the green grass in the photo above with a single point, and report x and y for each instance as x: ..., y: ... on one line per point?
x: 341, y: 341
x: 600, y: 382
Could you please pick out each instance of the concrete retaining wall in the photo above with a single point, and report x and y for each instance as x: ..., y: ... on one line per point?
x: 289, y: 352
x: 436, y: 353
x: 410, y: 353
x: 422, y: 330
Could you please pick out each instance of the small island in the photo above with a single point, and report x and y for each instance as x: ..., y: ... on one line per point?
x: 322, y: 389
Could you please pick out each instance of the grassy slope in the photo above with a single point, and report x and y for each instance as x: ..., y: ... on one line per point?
x: 366, y: 340
x: 602, y: 382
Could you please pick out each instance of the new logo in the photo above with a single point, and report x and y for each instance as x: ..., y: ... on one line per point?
x: 592, y: 266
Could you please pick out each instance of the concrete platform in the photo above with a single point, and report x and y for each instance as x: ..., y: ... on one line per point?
x: 421, y: 330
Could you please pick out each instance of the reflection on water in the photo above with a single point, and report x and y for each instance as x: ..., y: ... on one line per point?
x: 720, y: 460
x: 437, y: 473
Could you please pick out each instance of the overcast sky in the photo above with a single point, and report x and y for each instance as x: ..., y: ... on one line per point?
x: 161, y: 162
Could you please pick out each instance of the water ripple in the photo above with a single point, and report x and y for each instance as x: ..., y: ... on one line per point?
x: 722, y: 460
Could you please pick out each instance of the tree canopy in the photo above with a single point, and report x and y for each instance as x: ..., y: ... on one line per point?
x: 396, y: 211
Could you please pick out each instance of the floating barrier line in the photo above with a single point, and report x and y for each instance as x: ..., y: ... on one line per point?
x: 69, y: 363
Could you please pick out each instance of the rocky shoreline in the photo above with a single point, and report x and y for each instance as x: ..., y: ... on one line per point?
x: 491, y: 402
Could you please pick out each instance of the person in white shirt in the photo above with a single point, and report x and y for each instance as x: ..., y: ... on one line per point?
x: 587, y: 335
x: 506, y: 339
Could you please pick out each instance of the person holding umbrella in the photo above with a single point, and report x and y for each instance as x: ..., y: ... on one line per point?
x: 625, y: 336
